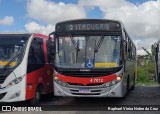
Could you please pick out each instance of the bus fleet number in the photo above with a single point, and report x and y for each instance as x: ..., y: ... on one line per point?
x: 97, y: 80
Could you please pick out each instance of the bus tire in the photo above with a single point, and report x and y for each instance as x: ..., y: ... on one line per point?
x: 36, y: 100
x: 133, y: 86
x: 128, y: 84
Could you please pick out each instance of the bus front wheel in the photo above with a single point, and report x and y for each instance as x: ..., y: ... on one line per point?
x: 36, y: 99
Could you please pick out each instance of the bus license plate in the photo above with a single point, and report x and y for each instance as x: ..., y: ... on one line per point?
x: 84, y: 91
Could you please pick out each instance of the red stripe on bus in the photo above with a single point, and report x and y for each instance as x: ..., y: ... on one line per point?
x: 40, y: 35
x: 88, y: 80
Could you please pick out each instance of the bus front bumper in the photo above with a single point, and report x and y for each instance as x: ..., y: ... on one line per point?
x: 12, y: 94
x: 112, y: 91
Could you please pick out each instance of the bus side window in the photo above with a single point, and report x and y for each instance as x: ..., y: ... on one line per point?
x: 127, y: 45
x: 31, y: 59
x: 31, y: 56
x: 133, y: 53
x: 36, y: 55
x: 39, y: 52
x: 129, y: 49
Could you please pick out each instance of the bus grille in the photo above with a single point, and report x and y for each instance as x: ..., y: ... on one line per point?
x: 86, y: 93
x: 2, y: 78
x: 74, y: 84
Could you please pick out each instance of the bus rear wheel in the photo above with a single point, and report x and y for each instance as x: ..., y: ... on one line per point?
x: 36, y: 100
x: 133, y: 86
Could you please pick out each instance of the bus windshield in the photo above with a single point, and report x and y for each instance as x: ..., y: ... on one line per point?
x: 88, y: 51
x: 10, y: 47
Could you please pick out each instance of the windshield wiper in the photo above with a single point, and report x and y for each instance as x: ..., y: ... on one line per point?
x: 98, y: 45
x: 11, y: 61
x: 76, y: 45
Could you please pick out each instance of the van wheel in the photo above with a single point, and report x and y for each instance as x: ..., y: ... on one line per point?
x: 36, y: 100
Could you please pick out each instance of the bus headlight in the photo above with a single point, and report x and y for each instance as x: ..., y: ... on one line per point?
x: 107, y: 84
x: 60, y: 82
x: 15, y: 81
x: 57, y: 80
x: 118, y: 79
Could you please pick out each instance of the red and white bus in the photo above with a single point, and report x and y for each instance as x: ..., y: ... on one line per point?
x: 25, y: 67
x: 93, y: 58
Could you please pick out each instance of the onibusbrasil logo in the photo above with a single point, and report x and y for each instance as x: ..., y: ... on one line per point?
x: 14, y: 108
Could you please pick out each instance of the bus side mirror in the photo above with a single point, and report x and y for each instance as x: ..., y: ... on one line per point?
x: 50, y: 43
x: 51, y: 36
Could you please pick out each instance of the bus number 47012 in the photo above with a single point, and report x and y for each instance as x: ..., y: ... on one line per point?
x: 96, y: 80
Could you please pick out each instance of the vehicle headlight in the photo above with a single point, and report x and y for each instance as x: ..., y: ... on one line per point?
x: 118, y: 79
x: 15, y: 81
x: 60, y: 82
x: 107, y: 84
x: 57, y: 80
x: 113, y: 82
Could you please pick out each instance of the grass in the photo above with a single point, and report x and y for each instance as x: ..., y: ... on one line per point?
x: 146, y: 74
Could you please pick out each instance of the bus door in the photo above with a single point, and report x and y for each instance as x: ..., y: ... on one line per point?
x: 49, y: 68
x: 36, y: 64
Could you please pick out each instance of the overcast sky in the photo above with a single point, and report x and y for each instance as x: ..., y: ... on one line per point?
x: 141, y: 17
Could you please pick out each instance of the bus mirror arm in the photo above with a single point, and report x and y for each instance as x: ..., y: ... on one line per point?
x: 51, y: 43
x: 50, y: 38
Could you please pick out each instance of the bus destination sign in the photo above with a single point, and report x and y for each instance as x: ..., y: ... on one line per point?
x: 91, y: 26
x: 84, y: 26
x: 79, y: 27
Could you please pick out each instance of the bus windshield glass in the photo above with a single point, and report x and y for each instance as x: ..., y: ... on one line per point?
x: 11, y: 47
x: 88, y: 51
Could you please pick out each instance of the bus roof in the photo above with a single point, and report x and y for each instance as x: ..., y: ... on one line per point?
x: 22, y: 34
x: 78, y: 20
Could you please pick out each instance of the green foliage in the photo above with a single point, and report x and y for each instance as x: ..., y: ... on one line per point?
x: 141, y: 78
x: 146, y: 73
x: 146, y: 70
x: 153, y: 50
